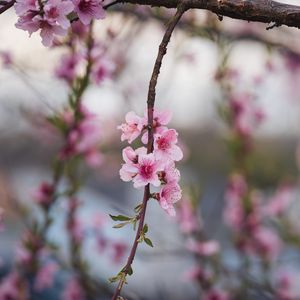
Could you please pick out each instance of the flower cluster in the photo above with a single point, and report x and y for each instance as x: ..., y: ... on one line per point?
x: 245, y: 214
x: 102, y: 65
x: 204, y: 251
x: 245, y: 114
x: 51, y: 17
x: 45, y: 276
x: 73, y: 290
x: 157, y: 168
x: 114, y: 247
x: 82, y: 136
x: 12, y: 287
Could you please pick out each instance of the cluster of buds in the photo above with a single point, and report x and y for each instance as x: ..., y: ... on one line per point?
x: 205, y: 252
x: 13, y: 287
x: 82, y: 132
x: 157, y: 168
x: 52, y: 17
x: 245, y: 115
x: 102, y: 64
x: 246, y: 215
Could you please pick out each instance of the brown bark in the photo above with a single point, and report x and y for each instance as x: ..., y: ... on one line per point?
x: 265, y: 11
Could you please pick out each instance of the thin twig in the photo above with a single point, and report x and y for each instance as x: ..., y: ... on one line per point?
x: 150, y: 107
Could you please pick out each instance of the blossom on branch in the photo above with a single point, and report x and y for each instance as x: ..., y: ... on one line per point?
x: 156, y: 168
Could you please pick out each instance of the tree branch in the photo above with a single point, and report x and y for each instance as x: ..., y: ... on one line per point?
x: 265, y: 11
x: 4, y: 7
x: 150, y: 108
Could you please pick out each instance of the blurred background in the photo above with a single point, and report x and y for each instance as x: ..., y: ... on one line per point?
x: 263, y: 63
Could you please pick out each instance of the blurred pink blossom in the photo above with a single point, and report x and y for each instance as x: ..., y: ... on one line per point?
x: 45, y: 276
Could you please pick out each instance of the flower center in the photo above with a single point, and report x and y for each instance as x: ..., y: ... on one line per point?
x: 146, y: 171
x: 163, y: 144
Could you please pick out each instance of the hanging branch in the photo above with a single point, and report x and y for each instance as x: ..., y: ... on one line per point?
x: 264, y: 11
x: 150, y: 108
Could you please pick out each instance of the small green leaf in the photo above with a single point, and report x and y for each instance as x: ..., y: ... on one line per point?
x: 138, y: 208
x: 148, y: 242
x: 134, y: 224
x: 113, y: 279
x: 120, y: 218
x: 145, y: 229
x: 120, y: 225
x: 130, y: 271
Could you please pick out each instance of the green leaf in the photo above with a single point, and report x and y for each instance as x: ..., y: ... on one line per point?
x: 145, y: 229
x: 120, y: 225
x: 148, y: 242
x: 130, y: 271
x: 138, y: 208
x: 120, y: 218
x: 113, y: 279
x: 134, y: 224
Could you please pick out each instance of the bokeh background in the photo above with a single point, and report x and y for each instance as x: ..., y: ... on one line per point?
x: 268, y: 63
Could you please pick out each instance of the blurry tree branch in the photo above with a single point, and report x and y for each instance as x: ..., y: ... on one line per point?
x: 265, y: 11
x: 206, y: 30
x: 5, y: 5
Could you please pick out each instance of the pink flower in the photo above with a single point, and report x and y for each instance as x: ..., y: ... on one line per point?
x: 44, y: 194
x: 234, y: 212
x: 169, y: 194
x: 24, y: 6
x: 292, y: 62
x: 266, y: 243
x: 76, y: 229
x: 23, y: 256
x: 207, y: 248
x: 119, y: 250
x: 130, y: 156
x: 45, y: 276
x: 79, y: 29
x: 160, y: 119
x: 198, y: 274
x: 88, y: 9
x: 165, y: 147
x: 246, y: 115
x: 28, y: 22
x: 49, y: 30
x: 67, y: 68
x: 146, y: 171
x: 57, y: 11
x: 280, y: 202
x: 93, y: 158
x: 186, y: 217
x: 73, y: 290
x: 89, y: 131
x: 287, y: 285
x: 169, y: 174
x: 84, y: 138
x: 132, y: 128
x: 12, y: 287
x: 215, y: 294
x: 102, y: 69
x: 6, y: 58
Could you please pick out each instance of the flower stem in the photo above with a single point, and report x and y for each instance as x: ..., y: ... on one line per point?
x: 150, y: 108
